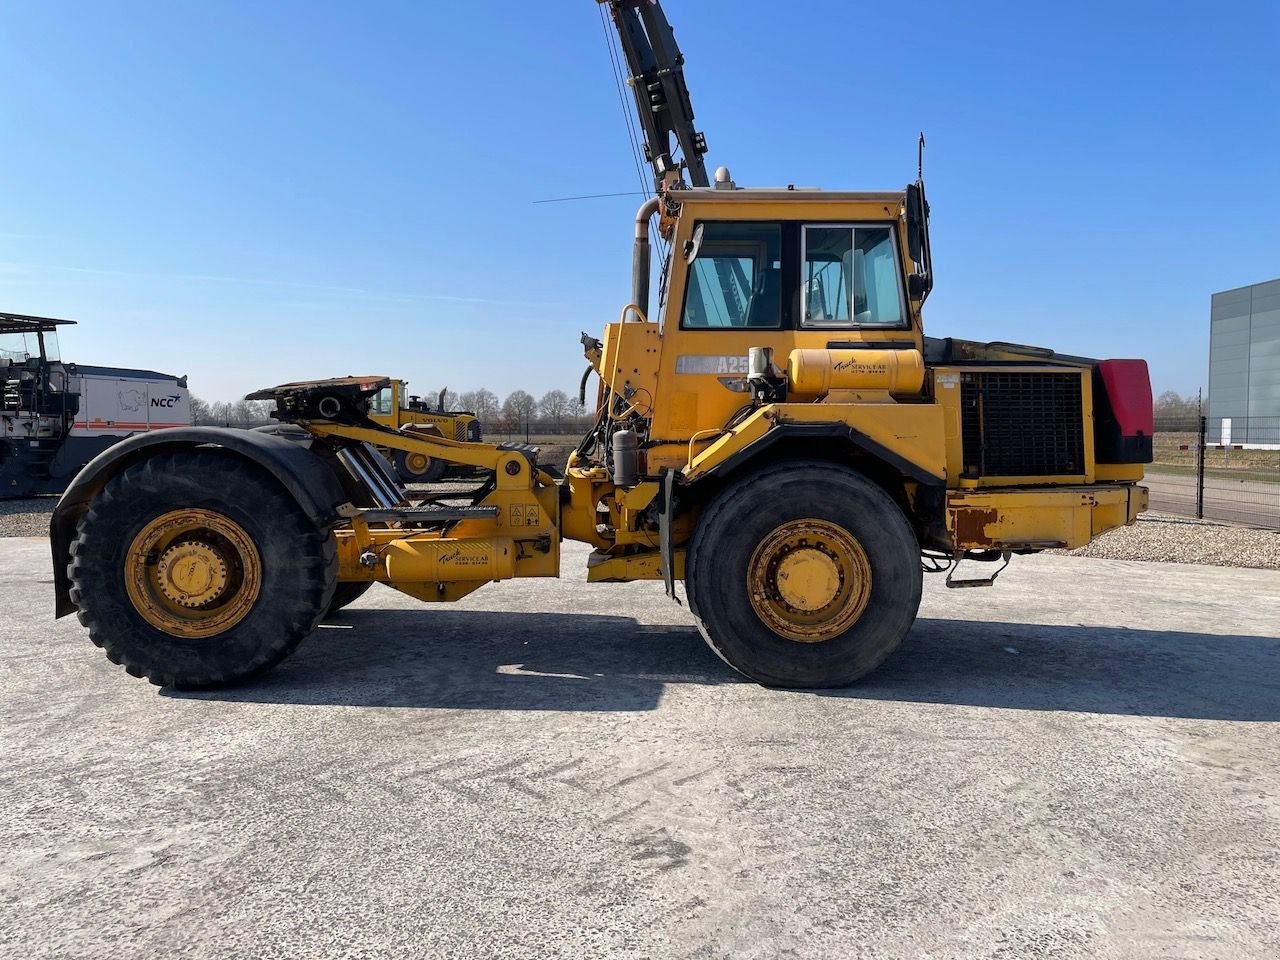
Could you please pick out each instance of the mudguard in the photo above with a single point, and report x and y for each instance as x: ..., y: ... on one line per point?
x: 835, y: 432
x: 307, y: 478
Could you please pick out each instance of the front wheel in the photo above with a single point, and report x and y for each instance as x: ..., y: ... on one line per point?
x: 418, y: 467
x: 804, y: 575
x: 195, y: 569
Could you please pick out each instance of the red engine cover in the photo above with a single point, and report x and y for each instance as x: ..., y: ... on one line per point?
x: 1128, y: 387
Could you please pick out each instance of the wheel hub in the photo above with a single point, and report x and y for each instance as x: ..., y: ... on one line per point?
x: 809, y: 580
x: 418, y: 463
x: 191, y: 574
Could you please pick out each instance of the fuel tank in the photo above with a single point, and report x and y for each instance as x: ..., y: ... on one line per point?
x: 812, y: 374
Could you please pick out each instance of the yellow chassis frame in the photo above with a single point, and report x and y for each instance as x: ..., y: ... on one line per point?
x: 522, y: 540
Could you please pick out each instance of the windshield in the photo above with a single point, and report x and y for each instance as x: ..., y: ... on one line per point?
x: 736, y: 279
x: 18, y: 347
x: 851, y: 277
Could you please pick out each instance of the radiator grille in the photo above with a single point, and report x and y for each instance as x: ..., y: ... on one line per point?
x: 1022, y: 424
x: 459, y: 430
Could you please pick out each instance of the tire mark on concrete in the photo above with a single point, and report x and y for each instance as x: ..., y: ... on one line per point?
x: 692, y: 777
x: 621, y: 814
x: 516, y: 784
x: 560, y: 768
x: 636, y: 776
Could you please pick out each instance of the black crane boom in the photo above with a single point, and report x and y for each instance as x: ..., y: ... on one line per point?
x: 662, y: 99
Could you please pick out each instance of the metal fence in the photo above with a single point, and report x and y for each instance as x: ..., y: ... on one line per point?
x: 536, y: 428
x: 1218, y: 468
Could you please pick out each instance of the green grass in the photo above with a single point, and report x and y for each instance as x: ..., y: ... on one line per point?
x: 1167, y: 451
x: 1217, y: 473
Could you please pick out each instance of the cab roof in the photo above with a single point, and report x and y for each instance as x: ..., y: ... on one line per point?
x: 711, y: 194
x: 21, y: 323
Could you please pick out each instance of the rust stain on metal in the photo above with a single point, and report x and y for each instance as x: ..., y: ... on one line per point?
x: 971, y: 526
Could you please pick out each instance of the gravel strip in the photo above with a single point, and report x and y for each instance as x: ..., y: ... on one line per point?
x: 1172, y: 539
x: 26, y: 518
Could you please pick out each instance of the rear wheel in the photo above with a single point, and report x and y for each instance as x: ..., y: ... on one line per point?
x: 418, y: 467
x: 195, y: 570
x: 804, y: 575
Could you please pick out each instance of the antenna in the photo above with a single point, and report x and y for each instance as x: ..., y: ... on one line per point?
x: 917, y: 214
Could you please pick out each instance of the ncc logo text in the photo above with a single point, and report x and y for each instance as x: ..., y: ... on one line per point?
x: 171, y: 401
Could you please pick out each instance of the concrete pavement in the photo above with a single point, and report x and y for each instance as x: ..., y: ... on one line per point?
x: 1082, y: 761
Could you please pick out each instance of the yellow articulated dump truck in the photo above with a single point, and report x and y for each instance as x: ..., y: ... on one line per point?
x: 779, y: 435
x: 391, y: 407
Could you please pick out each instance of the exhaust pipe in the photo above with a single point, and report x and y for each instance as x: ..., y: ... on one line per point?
x: 640, y: 257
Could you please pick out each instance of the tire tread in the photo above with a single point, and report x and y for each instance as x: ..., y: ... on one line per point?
x: 109, y: 626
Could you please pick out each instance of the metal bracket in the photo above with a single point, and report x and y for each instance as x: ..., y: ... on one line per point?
x: 665, y: 550
x: 427, y: 514
x: 977, y: 581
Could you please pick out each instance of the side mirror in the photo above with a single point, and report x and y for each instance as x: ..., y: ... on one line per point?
x: 693, y: 245
x: 920, y: 283
x: 917, y: 217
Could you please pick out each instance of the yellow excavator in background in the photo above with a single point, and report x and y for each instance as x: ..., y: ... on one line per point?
x: 393, y: 408
x: 778, y: 433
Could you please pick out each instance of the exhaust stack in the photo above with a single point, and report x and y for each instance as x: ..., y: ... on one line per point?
x: 640, y: 257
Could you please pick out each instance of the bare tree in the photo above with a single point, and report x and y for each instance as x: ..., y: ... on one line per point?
x: 247, y: 413
x: 554, y: 405
x: 482, y: 403
x: 241, y: 413
x: 201, y: 412
x: 220, y: 413
x: 1171, y: 405
x: 518, y: 408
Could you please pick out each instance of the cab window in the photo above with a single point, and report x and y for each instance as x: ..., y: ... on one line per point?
x: 736, y: 279
x: 380, y: 403
x: 850, y: 277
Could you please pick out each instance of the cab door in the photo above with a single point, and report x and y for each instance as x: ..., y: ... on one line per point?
x: 733, y: 295
x: 814, y: 283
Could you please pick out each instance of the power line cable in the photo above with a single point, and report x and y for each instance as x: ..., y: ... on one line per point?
x: 594, y: 196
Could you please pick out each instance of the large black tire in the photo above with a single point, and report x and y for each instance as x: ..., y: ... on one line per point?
x: 298, y: 567
x: 433, y: 471
x: 345, y: 593
x: 745, y: 517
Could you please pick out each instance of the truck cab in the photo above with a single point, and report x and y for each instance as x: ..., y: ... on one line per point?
x: 989, y: 448
x: 778, y: 270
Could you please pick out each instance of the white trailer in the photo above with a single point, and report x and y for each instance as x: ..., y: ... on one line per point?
x: 117, y: 402
x: 55, y: 417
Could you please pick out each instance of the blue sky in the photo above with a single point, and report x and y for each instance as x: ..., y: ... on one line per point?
x: 254, y: 193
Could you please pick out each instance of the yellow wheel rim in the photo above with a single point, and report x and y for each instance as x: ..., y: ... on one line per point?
x: 417, y: 463
x: 192, y: 573
x: 809, y: 580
